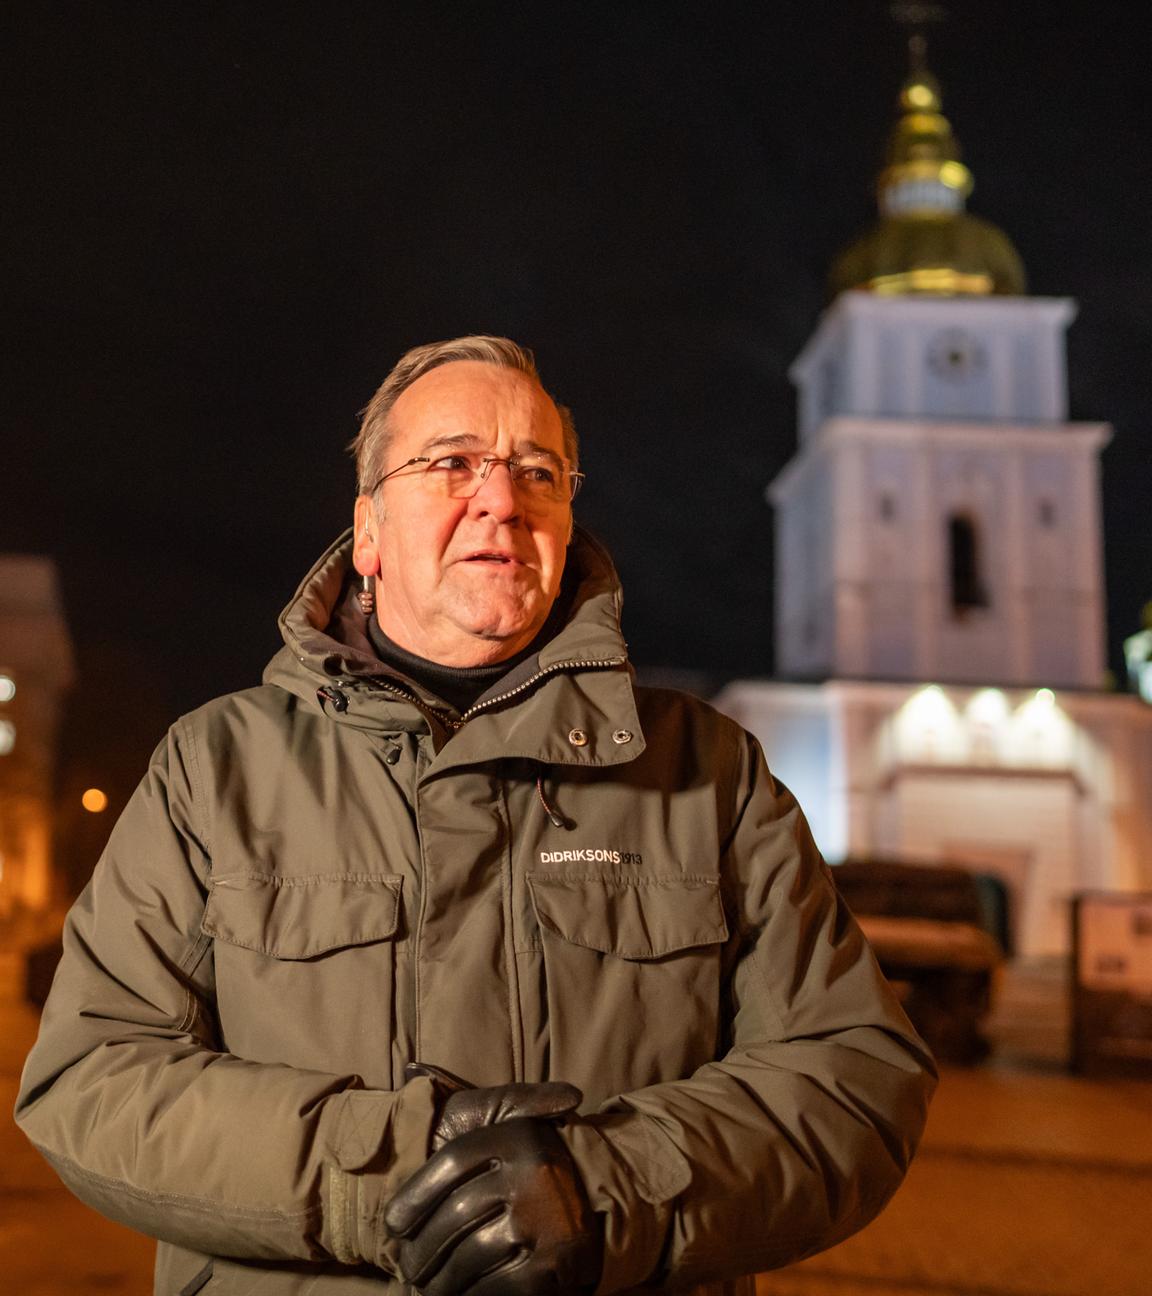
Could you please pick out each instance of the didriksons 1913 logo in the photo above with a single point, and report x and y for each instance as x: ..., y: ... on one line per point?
x: 591, y: 855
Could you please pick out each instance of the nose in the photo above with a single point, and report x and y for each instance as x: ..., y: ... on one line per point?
x: 497, y: 496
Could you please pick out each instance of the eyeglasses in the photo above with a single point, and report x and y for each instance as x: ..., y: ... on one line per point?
x: 540, y: 479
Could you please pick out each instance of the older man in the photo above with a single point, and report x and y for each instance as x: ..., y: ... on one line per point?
x: 451, y: 957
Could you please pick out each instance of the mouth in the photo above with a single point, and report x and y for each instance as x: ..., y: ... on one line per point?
x: 494, y: 557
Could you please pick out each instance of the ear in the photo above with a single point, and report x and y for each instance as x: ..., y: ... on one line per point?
x: 365, y: 556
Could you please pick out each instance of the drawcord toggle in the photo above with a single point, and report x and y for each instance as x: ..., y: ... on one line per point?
x: 337, y: 700
x: 558, y: 820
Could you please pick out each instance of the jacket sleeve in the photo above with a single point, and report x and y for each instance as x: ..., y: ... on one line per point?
x: 800, y: 1133
x: 130, y: 1098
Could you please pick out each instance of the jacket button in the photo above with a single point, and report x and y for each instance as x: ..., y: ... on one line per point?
x: 577, y: 737
x: 622, y: 736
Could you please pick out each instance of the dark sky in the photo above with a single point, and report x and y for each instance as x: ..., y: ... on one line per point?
x: 222, y: 223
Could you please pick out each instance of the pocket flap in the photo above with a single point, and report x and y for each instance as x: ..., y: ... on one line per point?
x: 300, y: 917
x: 633, y: 918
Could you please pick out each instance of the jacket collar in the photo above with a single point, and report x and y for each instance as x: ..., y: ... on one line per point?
x: 579, y: 685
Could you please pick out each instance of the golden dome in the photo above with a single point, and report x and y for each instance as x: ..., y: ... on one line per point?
x: 925, y: 242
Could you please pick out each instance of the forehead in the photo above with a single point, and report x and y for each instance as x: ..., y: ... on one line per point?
x: 474, y: 398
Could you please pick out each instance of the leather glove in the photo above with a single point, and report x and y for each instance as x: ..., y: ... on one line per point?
x: 499, y: 1211
x: 464, y: 1109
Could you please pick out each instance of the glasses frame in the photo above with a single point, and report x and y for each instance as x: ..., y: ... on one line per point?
x: 575, y: 477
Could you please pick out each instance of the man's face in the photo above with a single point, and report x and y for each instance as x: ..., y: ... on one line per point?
x: 465, y: 582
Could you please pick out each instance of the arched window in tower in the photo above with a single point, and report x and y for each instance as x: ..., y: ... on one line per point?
x: 967, y: 579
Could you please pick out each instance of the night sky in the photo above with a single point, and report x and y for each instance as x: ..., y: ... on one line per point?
x: 224, y: 222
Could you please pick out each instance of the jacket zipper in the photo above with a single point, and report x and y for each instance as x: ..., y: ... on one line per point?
x: 449, y: 723
x: 548, y: 670
x: 425, y: 710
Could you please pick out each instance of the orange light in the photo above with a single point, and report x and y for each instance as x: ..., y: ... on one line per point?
x: 94, y: 801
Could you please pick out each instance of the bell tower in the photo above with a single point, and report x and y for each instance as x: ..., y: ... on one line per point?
x: 939, y: 594
x: 941, y: 519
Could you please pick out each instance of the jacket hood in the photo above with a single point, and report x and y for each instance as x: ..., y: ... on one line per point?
x: 328, y: 661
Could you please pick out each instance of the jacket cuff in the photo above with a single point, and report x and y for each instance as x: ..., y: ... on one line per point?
x: 377, y: 1141
x: 631, y: 1173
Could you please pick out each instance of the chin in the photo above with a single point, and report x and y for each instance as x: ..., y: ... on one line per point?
x: 501, y: 641
x: 502, y: 635
x: 502, y: 622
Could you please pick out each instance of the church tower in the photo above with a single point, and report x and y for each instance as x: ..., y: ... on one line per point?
x: 941, y: 520
x: 939, y: 589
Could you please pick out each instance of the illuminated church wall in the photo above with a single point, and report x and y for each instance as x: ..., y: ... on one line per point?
x: 997, y: 359
x: 914, y: 546
x: 1049, y: 790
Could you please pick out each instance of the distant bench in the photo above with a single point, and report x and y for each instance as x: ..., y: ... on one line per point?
x: 929, y: 927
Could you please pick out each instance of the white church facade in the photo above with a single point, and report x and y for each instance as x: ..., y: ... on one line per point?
x: 939, y: 580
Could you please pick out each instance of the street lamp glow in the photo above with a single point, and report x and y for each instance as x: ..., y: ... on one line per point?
x: 7, y: 737
x: 94, y: 801
x: 7, y: 688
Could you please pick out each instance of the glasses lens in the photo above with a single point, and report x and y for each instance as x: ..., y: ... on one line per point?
x: 539, y: 479
x: 453, y: 475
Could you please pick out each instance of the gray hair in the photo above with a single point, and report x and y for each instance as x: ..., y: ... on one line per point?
x: 370, y: 445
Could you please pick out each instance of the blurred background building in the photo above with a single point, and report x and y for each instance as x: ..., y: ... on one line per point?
x: 36, y: 670
x: 940, y: 632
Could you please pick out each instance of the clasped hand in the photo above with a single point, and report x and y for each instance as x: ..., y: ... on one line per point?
x: 499, y: 1208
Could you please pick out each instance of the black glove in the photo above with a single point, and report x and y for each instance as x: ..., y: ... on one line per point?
x: 500, y: 1211
x: 464, y: 1109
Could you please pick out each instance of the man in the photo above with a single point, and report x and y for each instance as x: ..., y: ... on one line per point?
x: 366, y: 937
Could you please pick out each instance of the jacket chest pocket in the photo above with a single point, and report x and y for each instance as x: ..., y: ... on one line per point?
x: 632, y: 972
x: 306, y: 968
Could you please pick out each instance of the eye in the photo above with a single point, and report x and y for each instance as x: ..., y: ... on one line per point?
x: 450, y: 463
x: 536, y: 473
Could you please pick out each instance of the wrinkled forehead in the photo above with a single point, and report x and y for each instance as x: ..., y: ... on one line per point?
x: 482, y: 402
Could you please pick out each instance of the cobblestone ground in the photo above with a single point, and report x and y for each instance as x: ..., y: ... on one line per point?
x: 1029, y: 1183
x: 50, y: 1244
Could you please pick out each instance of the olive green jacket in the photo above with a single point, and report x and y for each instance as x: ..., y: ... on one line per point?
x: 326, y: 877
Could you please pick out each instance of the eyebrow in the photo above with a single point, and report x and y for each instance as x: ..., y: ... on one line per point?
x: 469, y: 440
